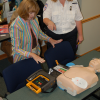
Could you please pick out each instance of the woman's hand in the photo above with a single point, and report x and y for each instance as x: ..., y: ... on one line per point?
x: 80, y: 38
x: 80, y: 33
x: 36, y: 58
x: 53, y: 42
x: 51, y: 26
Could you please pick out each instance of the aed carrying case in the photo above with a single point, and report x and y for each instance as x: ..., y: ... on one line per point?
x: 40, y: 81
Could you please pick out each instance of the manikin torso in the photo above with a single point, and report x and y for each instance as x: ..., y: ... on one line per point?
x: 80, y: 78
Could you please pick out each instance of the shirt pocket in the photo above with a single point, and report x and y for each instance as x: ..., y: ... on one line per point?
x: 55, y: 17
x: 70, y: 16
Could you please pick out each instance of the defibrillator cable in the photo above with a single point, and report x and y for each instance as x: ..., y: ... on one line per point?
x: 66, y: 76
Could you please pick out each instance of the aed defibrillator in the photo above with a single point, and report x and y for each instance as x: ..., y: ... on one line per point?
x: 40, y: 81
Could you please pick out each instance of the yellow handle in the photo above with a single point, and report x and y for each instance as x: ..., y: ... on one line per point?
x: 56, y: 62
x: 77, y: 43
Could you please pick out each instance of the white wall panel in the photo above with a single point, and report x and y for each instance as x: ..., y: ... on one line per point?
x: 91, y: 29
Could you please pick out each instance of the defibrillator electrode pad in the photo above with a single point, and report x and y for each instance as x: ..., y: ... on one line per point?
x: 80, y: 82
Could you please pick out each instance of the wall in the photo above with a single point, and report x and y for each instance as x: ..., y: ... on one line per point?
x: 6, y: 8
x: 89, y: 8
x: 44, y: 1
x: 91, y: 29
x: 91, y: 32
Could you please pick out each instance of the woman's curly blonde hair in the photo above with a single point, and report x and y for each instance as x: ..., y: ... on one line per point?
x: 56, y: 0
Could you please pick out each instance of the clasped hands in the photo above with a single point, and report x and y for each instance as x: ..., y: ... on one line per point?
x: 51, y: 26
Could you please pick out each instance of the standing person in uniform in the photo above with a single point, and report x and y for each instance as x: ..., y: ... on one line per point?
x: 25, y: 32
x: 63, y: 19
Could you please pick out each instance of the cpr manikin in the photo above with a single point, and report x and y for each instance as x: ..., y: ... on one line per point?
x: 79, y: 78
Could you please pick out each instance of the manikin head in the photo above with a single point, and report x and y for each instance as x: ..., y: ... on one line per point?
x: 95, y: 64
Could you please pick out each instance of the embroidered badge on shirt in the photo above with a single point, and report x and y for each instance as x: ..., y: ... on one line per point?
x: 45, y: 7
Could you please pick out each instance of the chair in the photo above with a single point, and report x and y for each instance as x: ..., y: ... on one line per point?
x: 62, y: 52
x: 16, y: 74
x: 40, y: 15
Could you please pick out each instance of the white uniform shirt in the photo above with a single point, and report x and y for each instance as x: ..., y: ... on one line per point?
x: 63, y: 17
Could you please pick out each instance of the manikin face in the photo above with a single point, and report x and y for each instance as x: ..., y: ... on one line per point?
x: 94, y: 62
x: 31, y: 15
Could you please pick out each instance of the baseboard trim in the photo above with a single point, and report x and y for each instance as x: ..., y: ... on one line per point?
x: 3, y: 56
x: 97, y: 49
